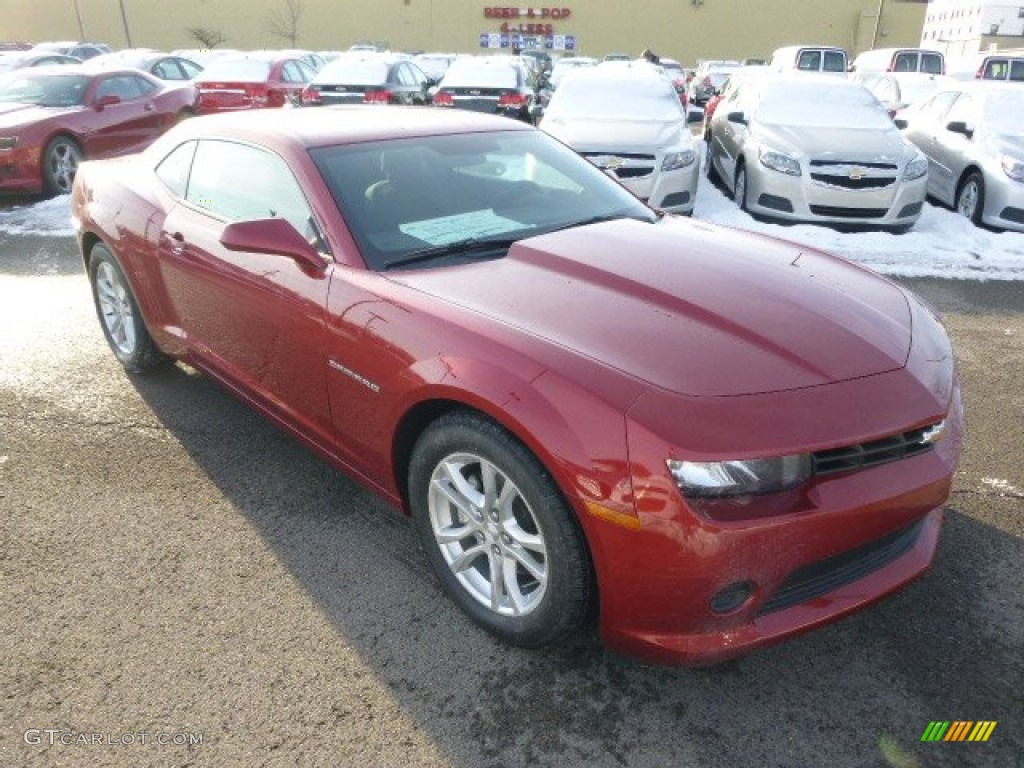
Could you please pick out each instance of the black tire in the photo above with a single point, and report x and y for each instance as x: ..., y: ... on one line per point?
x: 556, y: 591
x: 970, y: 197
x: 712, y: 172
x: 60, y: 160
x: 119, y: 315
x: 739, y: 186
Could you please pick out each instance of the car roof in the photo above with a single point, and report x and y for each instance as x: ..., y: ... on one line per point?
x: 333, y: 125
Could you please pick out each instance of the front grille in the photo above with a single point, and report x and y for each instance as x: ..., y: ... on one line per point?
x: 854, y: 164
x: 623, y: 164
x: 871, y: 454
x: 830, y: 574
x: 846, y: 182
x: 633, y: 173
x: 837, y: 212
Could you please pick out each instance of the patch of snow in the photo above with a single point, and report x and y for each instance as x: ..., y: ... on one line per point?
x: 48, y: 217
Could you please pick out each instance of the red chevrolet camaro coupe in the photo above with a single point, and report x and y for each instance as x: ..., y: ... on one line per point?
x: 52, y: 118
x: 709, y: 440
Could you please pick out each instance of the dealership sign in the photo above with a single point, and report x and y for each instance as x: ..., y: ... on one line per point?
x: 527, y: 28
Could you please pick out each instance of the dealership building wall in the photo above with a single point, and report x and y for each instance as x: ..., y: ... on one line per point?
x: 684, y: 29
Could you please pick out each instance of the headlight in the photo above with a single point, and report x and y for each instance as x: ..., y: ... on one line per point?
x: 1012, y: 167
x: 779, y: 162
x: 674, y: 160
x: 698, y: 479
x: 916, y: 168
x: 8, y: 142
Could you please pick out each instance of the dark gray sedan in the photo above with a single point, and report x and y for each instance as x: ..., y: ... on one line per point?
x: 368, y: 78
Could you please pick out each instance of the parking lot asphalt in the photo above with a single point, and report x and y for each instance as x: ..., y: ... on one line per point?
x: 183, y: 584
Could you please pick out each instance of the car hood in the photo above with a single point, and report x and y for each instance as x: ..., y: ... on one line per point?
x: 15, y: 113
x: 862, y: 144
x: 686, y: 306
x: 619, y: 134
x: 1010, y: 144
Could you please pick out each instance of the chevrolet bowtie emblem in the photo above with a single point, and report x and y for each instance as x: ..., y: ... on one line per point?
x: 611, y: 163
x: 857, y: 173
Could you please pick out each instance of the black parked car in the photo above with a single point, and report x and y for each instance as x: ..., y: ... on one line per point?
x: 368, y: 78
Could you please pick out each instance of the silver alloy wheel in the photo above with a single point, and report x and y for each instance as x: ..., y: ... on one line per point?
x: 740, y: 191
x: 967, y: 203
x: 116, y: 308
x: 488, y: 535
x: 62, y: 164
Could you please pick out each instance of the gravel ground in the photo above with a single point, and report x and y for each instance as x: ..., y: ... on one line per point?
x: 175, y: 569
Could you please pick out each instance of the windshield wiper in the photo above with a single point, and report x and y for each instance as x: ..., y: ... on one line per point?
x: 472, y: 245
x: 603, y: 218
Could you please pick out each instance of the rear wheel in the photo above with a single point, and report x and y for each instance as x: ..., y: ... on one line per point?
x: 970, y: 198
x: 119, y: 314
x: 497, y: 532
x: 61, y: 157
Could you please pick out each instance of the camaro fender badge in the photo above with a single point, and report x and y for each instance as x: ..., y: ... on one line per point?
x: 375, y: 388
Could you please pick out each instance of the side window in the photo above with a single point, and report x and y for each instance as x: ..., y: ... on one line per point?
x: 173, y: 170
x: 809, y: 61
x: 145, y: 86
x: 418, y: 76
x: 1017, y: 70
x: 239, y: 182
x: 122, y: 86
x: 167, y: 69
x: 403, y: 75
x: 835, y: 61
x: 938, y: 105
x: 191, y: 69
x: 290, y: 73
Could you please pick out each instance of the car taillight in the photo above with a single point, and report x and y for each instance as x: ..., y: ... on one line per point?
x: 442, y: 99
x: 377, y: 97
x: 980, y: 74
x: 311, y: 95
x: 511, y: 100
x: 258, y: 94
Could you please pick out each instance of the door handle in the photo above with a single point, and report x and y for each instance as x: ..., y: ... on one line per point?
x: 177, y: 241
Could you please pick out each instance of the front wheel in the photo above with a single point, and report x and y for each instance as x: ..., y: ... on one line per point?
x: 739, y: 190
x: 119, y: 314
x: 498, y: 533
x: 61, y: 158
x: 970, y: 199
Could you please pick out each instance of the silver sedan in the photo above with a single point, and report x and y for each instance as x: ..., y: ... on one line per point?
x: 973, y: 135
x: 814, y: 148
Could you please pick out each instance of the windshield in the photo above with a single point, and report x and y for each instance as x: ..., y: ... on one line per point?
x: 583, y: 98
x: 797, y: 106
x: 1003, y: 112
x: 45, y: 90
x: 405, y: 196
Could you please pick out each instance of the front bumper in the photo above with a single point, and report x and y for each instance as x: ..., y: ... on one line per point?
x: 21, y: 171
x: 1004, y: 203
x: 798, y: 198
x: 849, y: 540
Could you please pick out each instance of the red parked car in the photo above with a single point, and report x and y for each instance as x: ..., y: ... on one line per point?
x: 51, y: 118
x: 709, y: 439
x: 252, y: 81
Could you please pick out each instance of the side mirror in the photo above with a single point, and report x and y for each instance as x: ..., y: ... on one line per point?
x: 105, y: 101
x: 901, y: 122
x: 958, y: 126
x: 737, y: 117
x: 272, y: 236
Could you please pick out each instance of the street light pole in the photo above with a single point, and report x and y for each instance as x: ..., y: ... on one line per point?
x: 124, y: 20
x: 81, y: 21
x: 878, y: 24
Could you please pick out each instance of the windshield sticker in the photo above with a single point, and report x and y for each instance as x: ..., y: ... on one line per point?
x: 463, y: 226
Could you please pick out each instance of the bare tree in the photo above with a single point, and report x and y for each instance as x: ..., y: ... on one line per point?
x: 284, y: 20
x: 206, y: 37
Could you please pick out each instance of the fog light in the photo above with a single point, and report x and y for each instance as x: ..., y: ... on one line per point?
x: 732, y: 597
